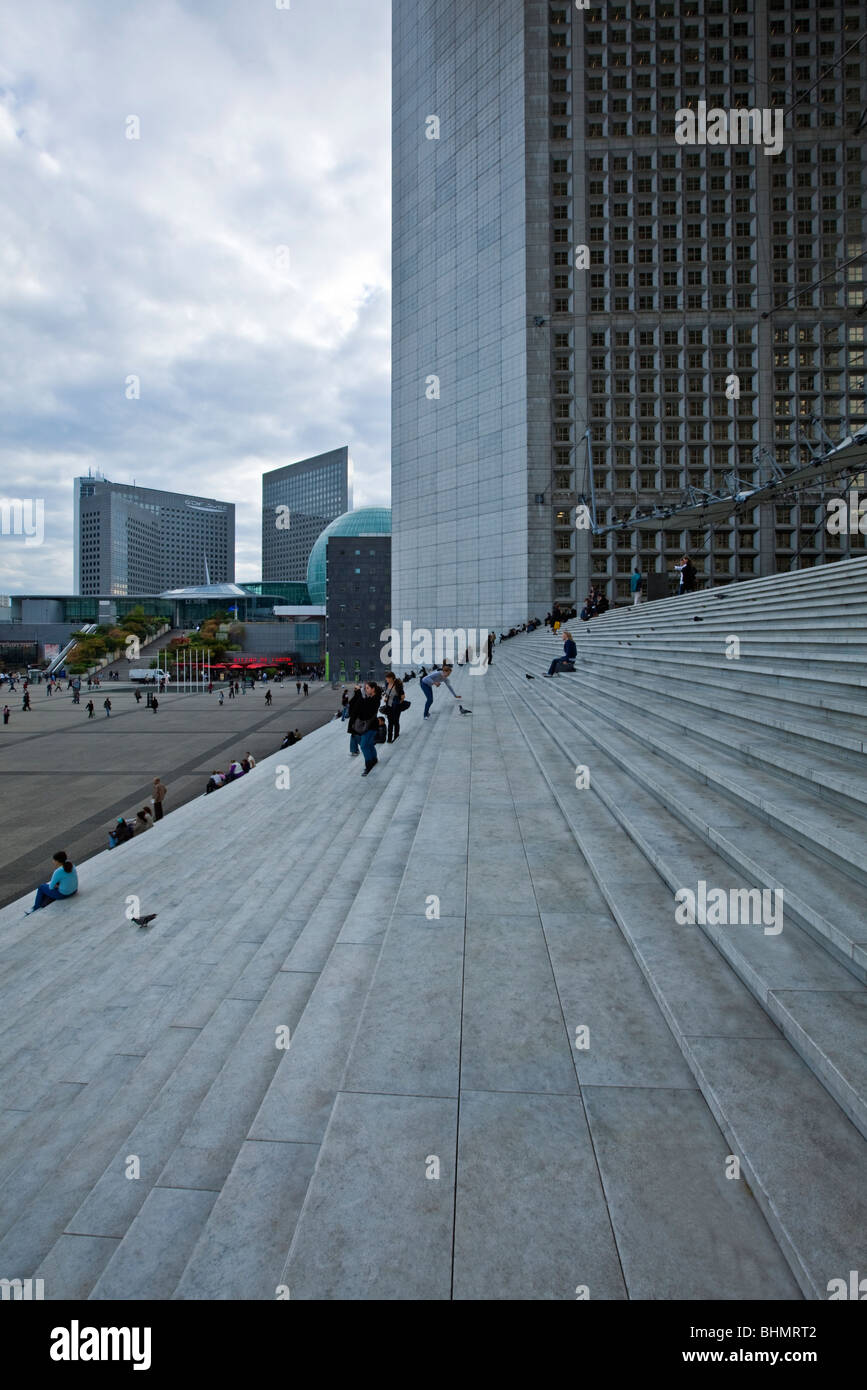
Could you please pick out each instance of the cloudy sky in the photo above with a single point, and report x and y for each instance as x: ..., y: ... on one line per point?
x: 234, y: 257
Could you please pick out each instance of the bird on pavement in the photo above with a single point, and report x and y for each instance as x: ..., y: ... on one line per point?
x: 144, y: 921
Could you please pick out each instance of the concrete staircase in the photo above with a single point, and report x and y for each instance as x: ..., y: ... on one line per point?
x: 510, y: 1073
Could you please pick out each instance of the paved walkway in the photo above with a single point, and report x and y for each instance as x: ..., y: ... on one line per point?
x: 65, y: 778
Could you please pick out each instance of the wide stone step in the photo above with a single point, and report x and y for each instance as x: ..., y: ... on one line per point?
x: 761, y: 1092
x: 168, y: 955
x: 795, y: 810
x: 464, y: 1053
x: 265, y: 1189
x: 812, y: 998
x: 147, y: 1016
x: 835, y: 728
x: 790, y: 753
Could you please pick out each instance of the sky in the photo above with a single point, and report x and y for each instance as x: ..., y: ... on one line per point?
x: 230, y: 264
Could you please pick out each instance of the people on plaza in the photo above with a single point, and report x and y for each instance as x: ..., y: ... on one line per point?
x: 155, y: 704
x: 106, y: 704
x: 25, y: 700
x: 91, y: 709
x: 6, y: 713
x: 267, y: 697
x: 159, y: 796
x: 62, y: 884
x: 306, y: 688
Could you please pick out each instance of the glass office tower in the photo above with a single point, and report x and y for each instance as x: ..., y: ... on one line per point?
x: 141, y: 540
x: 298, y: 502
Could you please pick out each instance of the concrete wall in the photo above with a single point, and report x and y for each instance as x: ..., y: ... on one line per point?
x: 459, y: 462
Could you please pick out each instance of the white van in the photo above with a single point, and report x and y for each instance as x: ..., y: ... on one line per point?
x: 148, y: 674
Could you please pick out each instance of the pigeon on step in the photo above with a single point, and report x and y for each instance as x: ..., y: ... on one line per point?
x: 697, y: 619
x: 144, y: 921
x: 529, y: 677
x: 464, y: 711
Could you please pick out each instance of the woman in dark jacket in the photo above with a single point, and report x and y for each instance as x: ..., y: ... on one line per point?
x: 363, y: 712
x: 393, y: 699
x: 352, y: 714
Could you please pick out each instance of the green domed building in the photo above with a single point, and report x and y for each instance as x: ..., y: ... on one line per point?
x: 349, y: 571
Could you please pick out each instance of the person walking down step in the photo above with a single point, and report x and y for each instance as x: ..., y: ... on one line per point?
x: 159, y: 796
x: 62, y: 884
x: 352, y: 713
x: 635, y: 582
x: 393, y: 700
x: 364, y: 724
x: 570, y: 651
x: 430, y: 682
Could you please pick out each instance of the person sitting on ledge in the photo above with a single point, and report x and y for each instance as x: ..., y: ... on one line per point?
x: 215, y: 780
x: 62, y: 884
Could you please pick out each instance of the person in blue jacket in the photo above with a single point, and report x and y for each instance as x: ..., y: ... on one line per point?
x: 62, y: 884
x: 570, y: 651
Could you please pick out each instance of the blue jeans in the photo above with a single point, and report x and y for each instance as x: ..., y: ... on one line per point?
x: 354, y: 742
x: 368, y: 748
x: 428, y: 695
x: 46, y: 894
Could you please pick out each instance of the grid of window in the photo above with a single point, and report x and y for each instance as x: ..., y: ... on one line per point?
x: 688, y: 246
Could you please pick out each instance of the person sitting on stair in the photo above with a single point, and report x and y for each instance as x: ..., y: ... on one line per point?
x: 570, y: 651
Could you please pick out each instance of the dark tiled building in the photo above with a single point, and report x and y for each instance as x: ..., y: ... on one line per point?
x: 358, y: 604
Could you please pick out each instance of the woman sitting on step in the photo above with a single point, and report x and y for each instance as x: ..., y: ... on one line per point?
x: 62, y: 884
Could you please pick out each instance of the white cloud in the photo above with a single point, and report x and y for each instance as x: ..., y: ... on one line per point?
x: 260, y: 129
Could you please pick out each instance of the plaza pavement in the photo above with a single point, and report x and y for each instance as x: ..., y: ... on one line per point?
x: 65, y: 778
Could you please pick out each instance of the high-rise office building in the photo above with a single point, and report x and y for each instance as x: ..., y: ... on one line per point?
x: 141, y: 540
x: 298, y: 502
x: 573, y: 284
